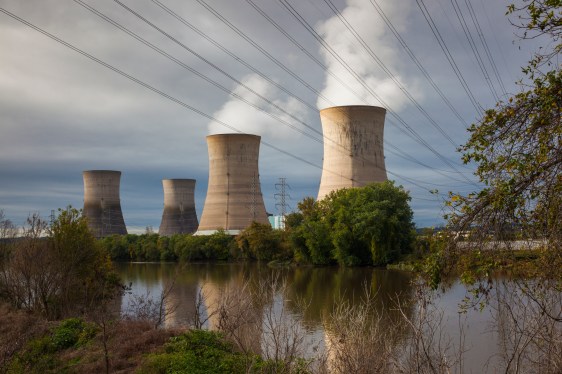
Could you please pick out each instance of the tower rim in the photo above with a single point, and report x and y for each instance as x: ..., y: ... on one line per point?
x: 233, y: 134
x: 101, y: 171
x: 353, y: 107
x: 179, y: 179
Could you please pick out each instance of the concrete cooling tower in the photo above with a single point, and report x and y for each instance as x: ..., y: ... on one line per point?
x: 179, y: 216
x: 353, y: 147
x: 234, y: 196
x: 102, y: 206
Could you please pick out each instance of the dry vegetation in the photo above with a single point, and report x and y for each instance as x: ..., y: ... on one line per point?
x: 22, y: 334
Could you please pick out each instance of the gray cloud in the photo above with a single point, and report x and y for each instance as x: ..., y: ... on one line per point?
x: 61, y: 113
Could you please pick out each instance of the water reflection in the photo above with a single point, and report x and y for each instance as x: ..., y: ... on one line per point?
x: 321, y: 288
x: 239, y: 287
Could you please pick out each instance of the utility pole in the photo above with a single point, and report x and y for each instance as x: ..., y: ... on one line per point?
x: 281, y: 197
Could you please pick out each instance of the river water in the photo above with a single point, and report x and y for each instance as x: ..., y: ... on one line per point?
x: 320, y: 290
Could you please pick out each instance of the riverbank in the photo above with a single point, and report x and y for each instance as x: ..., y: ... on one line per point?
x: 126, y: 346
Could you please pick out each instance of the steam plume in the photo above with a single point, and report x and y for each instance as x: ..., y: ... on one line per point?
x: 366, y: 22
x: 252, y: 121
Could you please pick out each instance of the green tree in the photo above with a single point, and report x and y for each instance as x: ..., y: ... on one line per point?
x: 149, y: 247
x: 309, y: 233
x: 295, y: 238
x: 116, y: 246
x: 218, y: 245
x: 370, y: 225
x: 190, y: 247
x: 517, y: 147
x: 62, y: 274
x: 260, y: 241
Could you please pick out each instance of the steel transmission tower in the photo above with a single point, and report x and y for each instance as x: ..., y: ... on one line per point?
x: 281, y: 198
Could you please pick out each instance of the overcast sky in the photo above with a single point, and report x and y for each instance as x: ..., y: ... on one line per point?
x: 186, y: 62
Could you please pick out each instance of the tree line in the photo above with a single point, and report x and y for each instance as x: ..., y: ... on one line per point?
x: 371, y: 225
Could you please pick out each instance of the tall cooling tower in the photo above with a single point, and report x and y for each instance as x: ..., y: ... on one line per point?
x: 179, y: 216
x: 234, y: 196
x: 353, y: 147
x: 102, y: 206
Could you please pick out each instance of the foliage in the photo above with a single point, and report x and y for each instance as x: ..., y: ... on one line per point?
x: 371, y: 225
x: 201, y: 351
x: 518, y: 151
x: 59, y: 275
x: 185, y: 247
x: 540, y: 18
x: 218, y: 245
x: 261, y: 242
x: 309, y: 233
x: 72, y: 332
x: 519, y: 154
x: 430, y: 250
x: 196, y: 351
x: 40, y: 355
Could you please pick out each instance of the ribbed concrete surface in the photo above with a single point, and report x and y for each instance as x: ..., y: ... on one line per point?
x: 234, y: 197
x: 353, y: 147
x: 179, y: 216
x: 102, y: 206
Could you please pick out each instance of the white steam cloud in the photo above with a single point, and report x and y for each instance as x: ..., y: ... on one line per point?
x: 366, y: 22
x: 252, y: 121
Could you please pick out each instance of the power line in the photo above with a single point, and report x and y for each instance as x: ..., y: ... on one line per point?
x: 253, y: 43
x: 416, y: 61
x: 448, y: 55
x: 498, y: 44
x: 177, y: 101
x: 382, y: 65
x: 231, y: 54
x: 206, y: 78
x: 173, y: 99
x: 474, y: 48
x: 197, y: 73
x: 222, y: 48
x: 485, y: 45
x: 304, y: 50
x: 261, y: 49
x: 412, y: 132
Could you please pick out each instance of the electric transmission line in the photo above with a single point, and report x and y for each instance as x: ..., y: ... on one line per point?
x: 169, y: 97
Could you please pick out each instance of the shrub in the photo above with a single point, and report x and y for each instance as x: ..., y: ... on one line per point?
x: 197, y: 351
x: 72, y: 332
x: 260, y: 242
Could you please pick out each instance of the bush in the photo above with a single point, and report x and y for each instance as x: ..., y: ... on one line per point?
x: 37, y: 357
x: 190, y: 248
x: 260, y: 242
x: 72, y: 332
x: 218, y: 246
x: 41, y: 355
x: 116, y: 247
x: 197, y: 351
